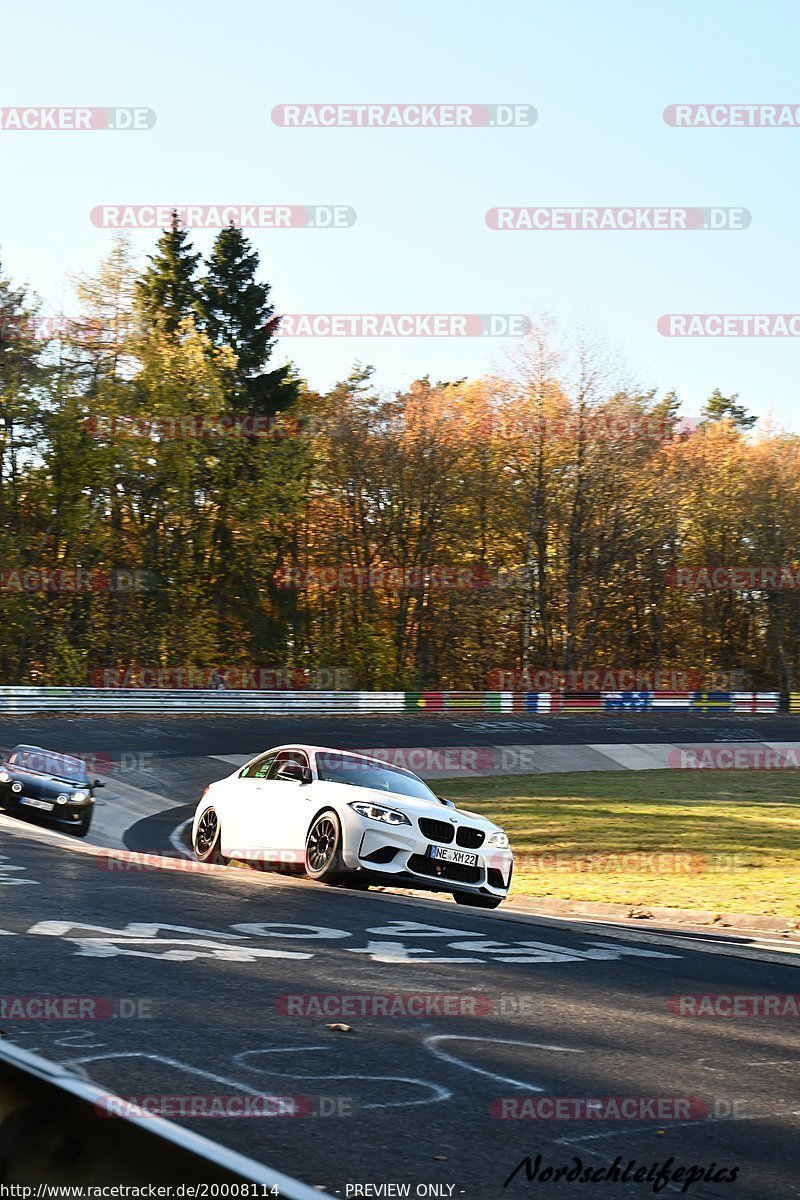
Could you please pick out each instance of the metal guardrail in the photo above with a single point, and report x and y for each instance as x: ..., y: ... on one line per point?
x: 52, y: 1131
x: 21, y: 700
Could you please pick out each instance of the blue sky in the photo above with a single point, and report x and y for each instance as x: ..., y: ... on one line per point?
x: 599, y: 76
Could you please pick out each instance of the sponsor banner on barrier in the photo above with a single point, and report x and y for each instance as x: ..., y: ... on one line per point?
x: 167, y: 689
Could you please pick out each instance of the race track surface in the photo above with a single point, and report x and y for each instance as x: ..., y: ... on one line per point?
x: 214, y: 964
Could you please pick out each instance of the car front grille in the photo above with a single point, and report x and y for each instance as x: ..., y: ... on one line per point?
x: 468, y: 836
x: 455, y: 872
x: 436, y: 831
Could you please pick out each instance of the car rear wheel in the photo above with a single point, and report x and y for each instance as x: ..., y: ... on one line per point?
x: 473, y: 901
x: 324, y: 849
x: 207, y: 838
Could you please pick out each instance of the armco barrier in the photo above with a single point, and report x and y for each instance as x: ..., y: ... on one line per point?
x: 53, y: 1131
x: 20, y: 700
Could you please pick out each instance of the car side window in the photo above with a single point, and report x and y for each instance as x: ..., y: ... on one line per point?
x: 287, y: 756
x: 258, y: 769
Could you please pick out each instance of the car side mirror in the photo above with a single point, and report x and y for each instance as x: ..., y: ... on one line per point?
x: 293, y: 770
x: 98, y: 783
x: 449, y: 803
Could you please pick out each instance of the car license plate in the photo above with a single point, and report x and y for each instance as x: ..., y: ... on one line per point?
x: 37, y: 803
x: 445, y: 854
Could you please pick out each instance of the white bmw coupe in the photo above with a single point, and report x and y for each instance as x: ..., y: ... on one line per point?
x: 344, y: 818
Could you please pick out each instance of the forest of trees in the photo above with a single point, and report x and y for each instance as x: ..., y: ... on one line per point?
x: 531, y: 518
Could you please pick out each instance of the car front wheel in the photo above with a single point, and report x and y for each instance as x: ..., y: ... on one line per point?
x: 207, y: 838
x: 324, y: 849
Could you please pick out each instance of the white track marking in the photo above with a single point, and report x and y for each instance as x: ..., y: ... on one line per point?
x: 708, y: 1121
x: 167, y: 1062
x: 432, y: 1044
x: 175, y: 838
x: 76, y: 1041
x: 439, y: 1093
x: 6, y: 868
x: 778, y: 1062
x: 398, y: 952
x: 280, y: 929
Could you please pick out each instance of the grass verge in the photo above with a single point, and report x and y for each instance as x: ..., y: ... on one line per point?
x: 721, y: 840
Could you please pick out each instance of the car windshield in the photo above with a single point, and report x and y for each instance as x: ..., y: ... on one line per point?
x: 47, y: 762
x: 367, y: 773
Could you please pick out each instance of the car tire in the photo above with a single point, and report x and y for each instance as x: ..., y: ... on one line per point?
x: 324, y: 860
x: 207, y: 839
x: 472, y: 901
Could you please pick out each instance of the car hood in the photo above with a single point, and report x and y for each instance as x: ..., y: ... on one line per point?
x: 44, y: 787
x: 345, y: 793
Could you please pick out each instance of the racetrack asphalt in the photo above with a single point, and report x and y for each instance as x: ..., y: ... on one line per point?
x: 559, y: 1010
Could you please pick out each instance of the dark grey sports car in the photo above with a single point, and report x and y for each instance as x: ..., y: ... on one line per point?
x: 52, y: 785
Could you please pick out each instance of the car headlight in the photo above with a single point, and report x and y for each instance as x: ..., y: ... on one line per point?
x: 499, y: 838
x: 5, y: 777
x: 80, y: 795
x: 62, y: 799
x: 376, y: 812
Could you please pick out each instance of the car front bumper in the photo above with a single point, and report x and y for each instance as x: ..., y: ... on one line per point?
x: 69, y: 816
x: 401, y: 854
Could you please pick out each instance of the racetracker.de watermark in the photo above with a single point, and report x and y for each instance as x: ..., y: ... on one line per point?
x: 219, y: 216
x: 408, y: 1005
x: 734, y: 579
x: 258, y: 679
x: 76, y: 1008
x: 626, y: 219
x: 71, y: 118
x: 403, y: 115
x: 732, y: 116
x: 614, y: 679
x: 189, y: 426
x: 715, y: 757
x: 76, y: 579
x: 404, y: 325
x: 438, y: 577
x: 390, y: 1005
x: 225, y: 1106
x: 599, y: 1108
x: 630, y: 862
x: 730, y: 1005
x: 53, y: 762
x: 730, y: 325
x: 587, y: 427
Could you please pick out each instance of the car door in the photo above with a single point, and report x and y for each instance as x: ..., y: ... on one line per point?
x: 242, y: 808
x: 285, y: 811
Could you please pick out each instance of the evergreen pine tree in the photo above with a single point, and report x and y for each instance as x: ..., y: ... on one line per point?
x: 725, y: 408
x: 237, y: 313
x: 168, y: 291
